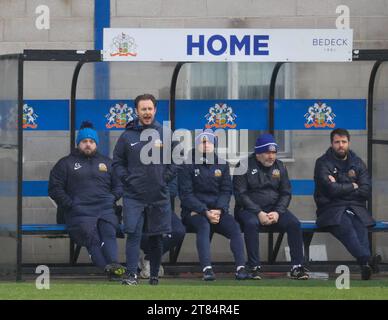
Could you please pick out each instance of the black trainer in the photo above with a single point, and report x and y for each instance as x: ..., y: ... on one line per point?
x: 255, y: 273
x: 242, y: 274
x: 366, y: 272
x: 115, y: 269
x: 208, y: 275
x: 299, y: 273
x: 154, y: 281
x: 130, y: 279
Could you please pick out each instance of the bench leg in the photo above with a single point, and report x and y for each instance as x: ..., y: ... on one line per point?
x: 277, y: 246
x: 76, y: 254
x: 174, y: 252
x: 71, y: 255
x: 307, y: 238
x: 270, y: 248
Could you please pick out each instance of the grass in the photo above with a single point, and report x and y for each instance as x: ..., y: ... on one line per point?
x: 193, y: 289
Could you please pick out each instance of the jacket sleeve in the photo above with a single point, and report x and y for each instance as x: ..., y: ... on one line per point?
x: 57, y: 185
x: 120, y: 162
x: 186, y: 192
x: 117, y: 186
x: 364, y: 183
x: 284, y: 193
x: 240, y: 184
x: 331, y: 189
x: 225, y: 192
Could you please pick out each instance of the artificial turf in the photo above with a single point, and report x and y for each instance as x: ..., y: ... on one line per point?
x: 193, y: 289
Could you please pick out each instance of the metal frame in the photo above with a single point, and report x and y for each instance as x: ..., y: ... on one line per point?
x: 83, y: 57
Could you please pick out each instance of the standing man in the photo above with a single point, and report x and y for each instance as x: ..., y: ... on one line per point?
x: 146, y: 199
x: 263, y: 195
x: 205, y: 189
x: 84, y: 185
x: 342, y: 187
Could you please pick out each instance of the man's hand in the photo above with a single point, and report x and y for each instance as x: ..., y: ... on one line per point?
x: 273, y: 216
x: 263, y: 218
x: 332, y: 179
x: 355, y: 185
x: 213, y: 216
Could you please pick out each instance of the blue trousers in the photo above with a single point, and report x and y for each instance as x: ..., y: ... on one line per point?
x: 354, y: 236
x: 228, y: 227
x: 287, y: 223
x: 169, y: 240
x: 132, y: 249
x: 103, y: 247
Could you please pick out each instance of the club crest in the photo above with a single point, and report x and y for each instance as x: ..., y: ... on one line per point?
x: 29, y: 117
x: 119, y: 115
x: 221, y: 116
x: 319, y: 115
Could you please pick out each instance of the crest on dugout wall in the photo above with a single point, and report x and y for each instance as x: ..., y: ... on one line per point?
x: 319, y: 115
x: 221, y: 116
x: 29, y: 117
x: 123, y: 45
x: 119, y: 115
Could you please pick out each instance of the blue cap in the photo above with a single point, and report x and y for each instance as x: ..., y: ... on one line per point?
x: 266, y: 143
x: 207, y: 135
x: 87, y: 132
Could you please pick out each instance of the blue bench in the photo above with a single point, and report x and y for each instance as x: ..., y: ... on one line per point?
x: 309, y: 228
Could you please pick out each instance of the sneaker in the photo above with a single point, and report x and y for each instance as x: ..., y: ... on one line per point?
x: 255, y: 273
x: 154, y: 281
x: 130, y: 279
x: 242, y: 274
x: 146, y: 269
x: 366, y: 272
x: 208, y: 275
x: 115, y: 271
x: 299, y: 273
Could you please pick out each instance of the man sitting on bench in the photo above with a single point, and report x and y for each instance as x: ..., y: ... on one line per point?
x: 263, y: 194
x: 84, y: 185
x: 342, y: 187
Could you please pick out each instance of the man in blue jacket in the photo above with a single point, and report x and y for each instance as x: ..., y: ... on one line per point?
x: 146, y: 199
x: 342, y: 187
x: 263, y: 194
x: 85, y: 186
x: 205, y: 188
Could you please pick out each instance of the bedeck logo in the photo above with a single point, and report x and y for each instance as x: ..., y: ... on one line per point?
x: 333, y: 42
x: 217, y: 45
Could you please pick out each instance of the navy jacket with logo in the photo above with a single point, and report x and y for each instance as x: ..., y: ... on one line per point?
x: 145, y: 184
x: 204, y: 186
x: 262, y: 188
x: 333, y: 198
x: 87, y: 188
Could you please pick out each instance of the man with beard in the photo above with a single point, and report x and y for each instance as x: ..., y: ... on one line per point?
x: 84, y: 185
x: 342, y: 187
x: 263, y: 195
x: 146, y: 198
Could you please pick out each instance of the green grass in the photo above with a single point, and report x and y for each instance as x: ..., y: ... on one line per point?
x: 196, y: 289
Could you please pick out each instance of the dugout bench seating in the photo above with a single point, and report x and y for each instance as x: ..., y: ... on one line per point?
x: 309, y: 228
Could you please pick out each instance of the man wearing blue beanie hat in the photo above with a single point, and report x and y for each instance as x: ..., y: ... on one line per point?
x: 87, y: 132
x: 205, y: 189
x: 84, y: 185
x: 263, y: 194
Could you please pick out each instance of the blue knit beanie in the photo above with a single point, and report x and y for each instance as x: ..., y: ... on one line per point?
x: 207, y: 135
x: 87, y: 132
x: 266, y: 143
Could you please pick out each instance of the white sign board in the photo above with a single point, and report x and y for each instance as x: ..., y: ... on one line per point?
x: 251, y: 45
